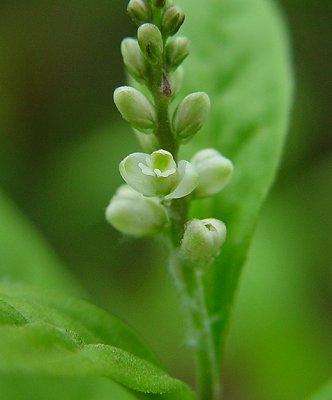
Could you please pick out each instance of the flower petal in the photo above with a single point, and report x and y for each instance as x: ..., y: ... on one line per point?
x: 133, y: 175
x: 188, y: 180
x: 162, y: 160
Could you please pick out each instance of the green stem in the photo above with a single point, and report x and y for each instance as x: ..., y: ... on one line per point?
x: 163, y: 132
x: 178, y: 212
x: 190, y: 287
x: 188, y: 280
x: 160, y: 90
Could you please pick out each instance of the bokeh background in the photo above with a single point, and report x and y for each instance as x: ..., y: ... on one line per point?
x: 60, y: 143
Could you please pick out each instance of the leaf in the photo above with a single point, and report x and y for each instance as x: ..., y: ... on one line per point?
x: 45, y: 349
x: 48, y: 334
x: 64, y: 388
x: 25, y: 255
x: 292, y: 357
x: 324, y: 394
x: 240, y: 58
x: 23, y: 304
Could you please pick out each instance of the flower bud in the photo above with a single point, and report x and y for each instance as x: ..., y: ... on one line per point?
x: 148, y: 142
x: 190, y: 115
x: 176, y: 51
x: 175, y: 80
x: 133, y: 214
x: 172, y: 20
x: 134, y: 107
x: 214, y: 171
x: 134, y: 59
x: 151, y: 42
x: 201, y: 241
x: 139, y: 11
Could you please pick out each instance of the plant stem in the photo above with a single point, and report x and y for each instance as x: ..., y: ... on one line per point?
x: 188, y: 279
x: 190, y: 287
x: 163, y: 131
x: 178, y: 212
x: 159, y: 87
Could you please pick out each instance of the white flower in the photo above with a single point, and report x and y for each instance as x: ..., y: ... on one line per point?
x: 133, y: 214
x: 158, y: 175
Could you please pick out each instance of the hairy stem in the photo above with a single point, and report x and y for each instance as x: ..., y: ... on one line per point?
x: 190, y: 287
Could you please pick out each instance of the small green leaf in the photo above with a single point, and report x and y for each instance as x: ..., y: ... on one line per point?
x: 242, y: 62
x: 46, y: 334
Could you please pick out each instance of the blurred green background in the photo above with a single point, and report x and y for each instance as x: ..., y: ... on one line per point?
x: 60, y: 143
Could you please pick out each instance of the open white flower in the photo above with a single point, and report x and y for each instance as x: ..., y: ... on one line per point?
x: 158, y: 175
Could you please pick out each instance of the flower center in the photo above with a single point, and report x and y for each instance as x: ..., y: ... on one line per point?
x: 160, y: 164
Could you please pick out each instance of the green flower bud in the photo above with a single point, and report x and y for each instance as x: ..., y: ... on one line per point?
x: 149, y: 143
x: 214, y: 171
x: 139, y: 11
x: 177, y: 50
x: 151, y: 42
x: 202, y: 241
x: 134, y: 59
x: 133, y: 214
x: 134, y: 107
x: 175, y: 80
x: 172, y: 20
x: 158, y: 175
x: 190, y: 115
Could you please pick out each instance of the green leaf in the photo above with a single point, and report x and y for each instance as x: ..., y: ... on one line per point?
x: 240, y: 58
x: 324, y: 394
x: 25, y: 255
x: 23, y: 304
x: 48, y: 334
x: 20, y: 387
x: 45, y: 349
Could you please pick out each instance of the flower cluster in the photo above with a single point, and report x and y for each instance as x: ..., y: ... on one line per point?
x: 156, y: 178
